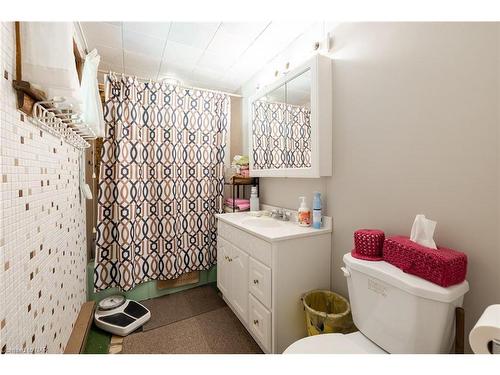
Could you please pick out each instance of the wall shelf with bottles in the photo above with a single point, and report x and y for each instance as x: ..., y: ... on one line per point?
x: 238, y: 185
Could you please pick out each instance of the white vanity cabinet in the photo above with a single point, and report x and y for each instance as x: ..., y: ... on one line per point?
x: 262, y: 273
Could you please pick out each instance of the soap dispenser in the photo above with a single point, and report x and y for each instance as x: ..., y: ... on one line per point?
x: 304, y: 213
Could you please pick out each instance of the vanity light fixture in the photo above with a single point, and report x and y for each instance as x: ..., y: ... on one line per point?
x: 287, y: 68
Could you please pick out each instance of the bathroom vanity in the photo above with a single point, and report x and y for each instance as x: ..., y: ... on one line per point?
x: 264, y: 266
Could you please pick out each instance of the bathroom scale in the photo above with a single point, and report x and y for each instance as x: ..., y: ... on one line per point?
x: 120, y: 316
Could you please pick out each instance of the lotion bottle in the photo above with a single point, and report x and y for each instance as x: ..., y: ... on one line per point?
x: 254, y: 199
x: 304, y: 213
x: 317, y: 216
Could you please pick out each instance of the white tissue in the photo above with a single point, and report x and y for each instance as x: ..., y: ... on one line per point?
x: 485, y: 331
x: 422, y: 231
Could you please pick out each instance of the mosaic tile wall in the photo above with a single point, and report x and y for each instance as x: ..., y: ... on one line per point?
x: 42, y: 227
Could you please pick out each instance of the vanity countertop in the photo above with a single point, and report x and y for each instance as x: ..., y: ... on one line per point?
x: 270, y: 229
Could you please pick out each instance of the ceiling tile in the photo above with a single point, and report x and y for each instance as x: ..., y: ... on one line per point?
x: 195, y: 34
x: 143, y: 62
x: 143, y: 44
x: 156, y: 29
x: 174, y: 72
x: 202, y: 73
x: 113, y: 56
x: 139, y: 72
x: 179, y: 54
x: 278, y: 36
x: 103, y: 34
x: 215, y: 61
x: 105, y: 67
x: 229, y: 45
x: 119, y: 24
x: 220, y: 56
x: 246, y: 29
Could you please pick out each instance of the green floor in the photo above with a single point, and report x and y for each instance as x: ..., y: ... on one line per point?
x: 97, y: 341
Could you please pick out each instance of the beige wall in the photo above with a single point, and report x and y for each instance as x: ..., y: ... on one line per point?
x: 236, y: 135
x: 416, y: 130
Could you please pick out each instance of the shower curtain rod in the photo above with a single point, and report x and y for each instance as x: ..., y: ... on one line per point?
x: 182, y: 86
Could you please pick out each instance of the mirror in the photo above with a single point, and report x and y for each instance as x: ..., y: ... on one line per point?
x: 281, y: 126
x: 298, y: 99
x: 290, y: 123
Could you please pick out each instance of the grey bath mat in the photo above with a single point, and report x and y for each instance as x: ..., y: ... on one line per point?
x: 183, y: 305
x: 215, y: 332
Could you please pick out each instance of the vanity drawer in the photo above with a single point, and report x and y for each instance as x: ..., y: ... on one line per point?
x: 260, y: 322
x: 254, y: 246
x: 259, y: 282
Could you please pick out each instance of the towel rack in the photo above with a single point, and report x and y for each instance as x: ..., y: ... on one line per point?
x: 60, y: 121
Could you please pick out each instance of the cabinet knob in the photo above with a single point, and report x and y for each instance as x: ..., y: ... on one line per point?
x: 256, y: 322
x: 255, y: 281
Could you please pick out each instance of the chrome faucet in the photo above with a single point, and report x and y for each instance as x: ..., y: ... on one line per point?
x: 280, y: 214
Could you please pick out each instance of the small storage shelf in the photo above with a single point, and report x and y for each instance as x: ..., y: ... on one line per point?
x: 238, y: 184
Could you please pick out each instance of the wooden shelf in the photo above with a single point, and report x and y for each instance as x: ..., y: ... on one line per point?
x: 238, y: 180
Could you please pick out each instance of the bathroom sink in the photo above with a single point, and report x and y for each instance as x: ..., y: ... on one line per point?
x: 262, y: 222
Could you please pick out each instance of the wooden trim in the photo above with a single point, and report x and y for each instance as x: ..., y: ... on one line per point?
x: 459, y: 330
x: 78, y: 60
x: 81, y: 328
x: 184, y: 279
x: 27, y: 96
x: 19, y: 68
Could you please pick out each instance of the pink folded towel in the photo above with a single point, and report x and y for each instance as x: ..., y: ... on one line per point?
x: 236, y: 201
x: 243, y: 206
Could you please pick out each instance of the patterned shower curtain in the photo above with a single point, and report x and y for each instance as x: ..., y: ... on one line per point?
x: 281, y: 135
x: 161, y: 182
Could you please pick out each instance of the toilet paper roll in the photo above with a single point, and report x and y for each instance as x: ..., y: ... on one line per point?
x: 486, y: 331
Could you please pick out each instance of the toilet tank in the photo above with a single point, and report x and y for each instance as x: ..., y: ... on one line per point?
x: 399, y: 312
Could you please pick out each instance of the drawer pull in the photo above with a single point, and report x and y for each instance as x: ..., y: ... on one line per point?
x: 256, y: 322
x: 255, y: 281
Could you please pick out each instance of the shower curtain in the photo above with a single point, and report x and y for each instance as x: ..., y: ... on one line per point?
x: 161, y: 182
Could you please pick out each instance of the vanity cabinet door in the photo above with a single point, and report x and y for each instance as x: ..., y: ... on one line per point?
x: 239, y: 282
x: 260, y: 322
x: 223, y: 266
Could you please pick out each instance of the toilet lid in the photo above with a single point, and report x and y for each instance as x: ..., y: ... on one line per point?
x: 334, y: 343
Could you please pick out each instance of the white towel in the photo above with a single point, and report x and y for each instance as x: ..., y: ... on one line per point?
x: 48, y: 61
x: 91, y: 101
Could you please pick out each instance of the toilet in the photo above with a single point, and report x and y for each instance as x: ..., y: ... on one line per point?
x: 395, y: 312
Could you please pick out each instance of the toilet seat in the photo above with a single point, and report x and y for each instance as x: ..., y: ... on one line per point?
x: 335, y: 343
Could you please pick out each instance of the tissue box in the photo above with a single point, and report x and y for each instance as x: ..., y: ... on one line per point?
x: 441, y: 266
